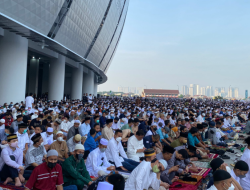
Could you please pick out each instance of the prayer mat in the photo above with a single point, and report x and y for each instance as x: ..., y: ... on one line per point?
x: 212, y: 156
x: 201, y: 164
x: 191, y: 182
x: 201, y: 171
x: 218, y: 147
x: 184, y: 186
x: 11, y: 187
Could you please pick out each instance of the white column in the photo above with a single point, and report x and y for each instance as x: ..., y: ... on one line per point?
x: 56, y: 78
x: 45, y: 82
x: 88, y: 83
x: 33, y: 76
x: 13, y: 67
x: 76, y: 87
x: 95, y: 89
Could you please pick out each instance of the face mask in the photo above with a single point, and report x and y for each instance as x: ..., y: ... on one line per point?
x: 242, y: 176
x: 155, y: 128
x: 155, y: 169
x: 51, y: 165
x: 121, y: 123
x: 102, y: 149
x: 97, y: 121
x: 79, y: 156
x: 14, y: 145
x: 184, y: 141
x: 24, y: 131
x: 60, y: 139
x: 118, y: 139
x: 154, y: 160
x: 6, y: 134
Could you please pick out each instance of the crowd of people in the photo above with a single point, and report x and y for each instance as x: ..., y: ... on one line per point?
x: 114, y: 143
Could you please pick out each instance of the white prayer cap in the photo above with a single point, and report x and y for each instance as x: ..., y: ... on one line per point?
x: 203, y: 114
x: 2, y: 121
x: 36, y: 111
x: 164, y: 163
x: 59, y: 132
x: 40, y: 109
x: 148, y: 114
x: 104, y: 186
x: 50, y: 129
x: 52, y: 153
x: 77, y: 121
x: 79, y: 147
x: 104, y: 141
x: 153, y: 124
x: 123, y: 119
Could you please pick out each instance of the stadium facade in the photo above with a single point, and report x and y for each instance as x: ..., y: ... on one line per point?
x: 57, y: 47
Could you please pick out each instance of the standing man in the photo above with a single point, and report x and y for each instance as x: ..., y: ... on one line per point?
x: 29, y: 101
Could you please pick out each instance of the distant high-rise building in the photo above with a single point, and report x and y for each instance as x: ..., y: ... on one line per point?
x: 203, y: 91
x: 139, y: 90
x: 191, y: 91
x: 132, y: 90
x: 217, y: 91
x: 197, y: 89
x: 236, y: 92
x: 246, y: 94
x: 209, y: 91
x: 185, y: 90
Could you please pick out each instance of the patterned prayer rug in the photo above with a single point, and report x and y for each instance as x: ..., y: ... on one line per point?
x: 10, y: 187
x: 201, y: 171
x: 201, y: 164
x: 192, y: 182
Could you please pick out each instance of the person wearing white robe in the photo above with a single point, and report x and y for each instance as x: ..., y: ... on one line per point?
x: 97, y: 163
x: 143, y: 176
x: 245, y: 182
x: 135, y: 148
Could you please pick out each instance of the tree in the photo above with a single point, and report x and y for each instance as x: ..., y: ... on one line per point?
x: 181, y: 96
x: 218, y: 98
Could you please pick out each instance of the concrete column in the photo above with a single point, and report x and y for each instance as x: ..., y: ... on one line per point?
x: 45, y: 82
x: 95, y: 89
x: 76, y: 87
x: 33, y: 76
x: 88, y: 83
x: 56, y: 78
x: 13, y: 67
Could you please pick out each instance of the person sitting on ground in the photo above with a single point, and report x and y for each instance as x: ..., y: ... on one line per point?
x: 219, y: 164
x: 74, y: 169
x: 47, y: 120
x: 107, y: 132
x: 36, y: 153
x: 147, y: 174
x: 35, y: 122
x: 61, y: 147
x: 72, y: 142
x: 85, y: 127
x: 152, y: 130
x: 222, y: 180
x: 114, y: 179
x: 200, y: 134
x: 182, y: 140
x: 48, y: 135
x: 240, y: 170
x: 153, y: 141
x: 4, y: 133
x: 115, y: 149
x: 98, y: 135
x: 74, y: 130
x: 38, y: 130
x: 169, y: 177
x: 56, y: 125
x: 96, y: 121
x: 135, y: 148
x: 23, y: 138
x: 51, y: 172
x: 115, y: 124
x: 15, y: 123
x: 11, y: 162
x: 65, y: 126
x: 97, y: 163
x: 90, y: 143
x: 127, y: 130
x: 163, y: 135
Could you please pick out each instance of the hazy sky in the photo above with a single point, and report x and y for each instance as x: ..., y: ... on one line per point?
x: 166, y: 43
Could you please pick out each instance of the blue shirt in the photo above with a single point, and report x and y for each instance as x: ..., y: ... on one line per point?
x: 102, y: 121
x: 97, y: 135
x: 159, y: 132
x: 148, y: 142
x: 84, y: 129
x: 90, y: 144
x: 192, y: 140
x: 3, y: 136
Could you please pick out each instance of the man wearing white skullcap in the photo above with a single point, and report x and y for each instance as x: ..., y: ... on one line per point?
x: 74, y: 130
x: 97, y: 163
x: 74, y: 169
x: 49, y: 135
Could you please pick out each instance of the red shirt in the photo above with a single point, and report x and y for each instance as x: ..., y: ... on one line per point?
x: 44, y: 178
x: 8, y: 121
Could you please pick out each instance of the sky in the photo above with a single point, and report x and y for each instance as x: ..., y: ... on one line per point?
x: 170, y: 43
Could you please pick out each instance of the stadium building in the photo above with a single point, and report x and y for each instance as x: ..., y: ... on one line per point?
x: 57, y: 47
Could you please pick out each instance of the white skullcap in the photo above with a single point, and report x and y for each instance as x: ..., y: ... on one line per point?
x: 154, y: 124
x: 50, y: 129
x: 77, y: 121
x: 36, y: 111
x: 79, y: 147
x: 40, y: 109
x: 59, y: 132
x: 52, y: 153
x: 104, y: 141
x: 104, y: 186
x: 2, y: 120
x: 164, y: 163
x: 123, y: 119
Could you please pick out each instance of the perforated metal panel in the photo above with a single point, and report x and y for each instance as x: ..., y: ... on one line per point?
x: 36, y: 14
